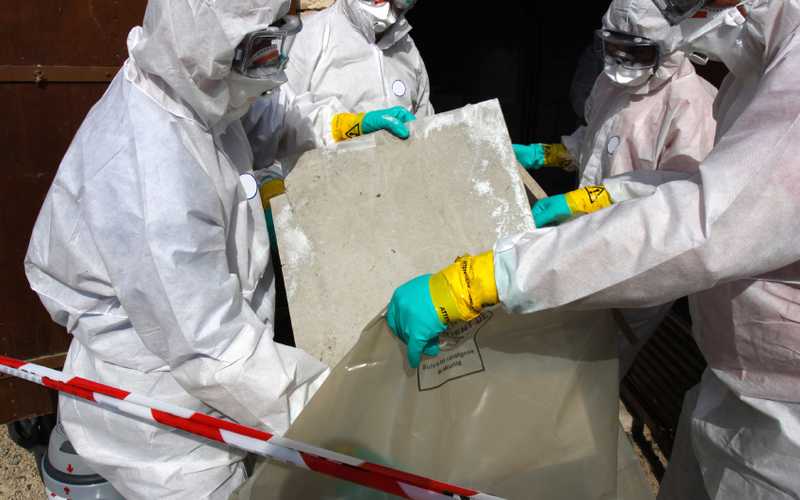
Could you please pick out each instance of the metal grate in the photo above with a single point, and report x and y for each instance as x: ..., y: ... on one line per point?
x: 667, y: 366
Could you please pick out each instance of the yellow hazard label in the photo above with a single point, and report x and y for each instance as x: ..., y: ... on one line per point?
x: 588, y: 199
x: 346, y: 126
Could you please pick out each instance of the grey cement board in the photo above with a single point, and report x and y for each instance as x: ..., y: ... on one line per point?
x: 360, y: 219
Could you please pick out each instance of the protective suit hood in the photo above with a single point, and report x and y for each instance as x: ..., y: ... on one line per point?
x: 732, y: 35
x: 363, y: 24
x: 642, y: 18
x: 181, y: 55
x: 770, y: 23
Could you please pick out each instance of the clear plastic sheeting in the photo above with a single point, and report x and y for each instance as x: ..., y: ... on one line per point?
x: 631, y: 482
x: 516, y: 406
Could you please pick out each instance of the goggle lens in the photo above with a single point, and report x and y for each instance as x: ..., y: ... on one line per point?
x: 630, y: 51
x: 265, y: 52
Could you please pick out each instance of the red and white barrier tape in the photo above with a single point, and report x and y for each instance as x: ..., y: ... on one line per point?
x: 378, y: 477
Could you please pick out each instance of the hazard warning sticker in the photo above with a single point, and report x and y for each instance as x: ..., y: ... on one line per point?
x: 595, y: 192
x: 353, y: 131
x: 460, y: 355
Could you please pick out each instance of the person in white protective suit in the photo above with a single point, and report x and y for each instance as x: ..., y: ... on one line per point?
x: 354, y: 70
x: 648, y: 111
x: 726, y: 236
x: 151, y: 249
x: 351, y: 59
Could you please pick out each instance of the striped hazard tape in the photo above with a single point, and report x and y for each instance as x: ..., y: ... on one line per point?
x: 378, y: 477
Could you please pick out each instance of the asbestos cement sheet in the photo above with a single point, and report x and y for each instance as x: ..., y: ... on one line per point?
x: 362, y: 218
x: 517, y: 406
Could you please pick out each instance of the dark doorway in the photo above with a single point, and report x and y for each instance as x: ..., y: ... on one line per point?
x: 523, y: 53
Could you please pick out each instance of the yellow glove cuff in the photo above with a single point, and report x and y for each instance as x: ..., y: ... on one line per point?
x: 588, y: 199
x: 557, y: 155
x: 346, y: 126
x: 463, y: 288
x: 271, y: 189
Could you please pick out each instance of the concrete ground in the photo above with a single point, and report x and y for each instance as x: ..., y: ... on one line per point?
x: 19, y: 479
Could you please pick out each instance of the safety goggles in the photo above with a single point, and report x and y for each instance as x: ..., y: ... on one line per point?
x: 265, y: 52
x: 629, y: 51
x: 400, y: 6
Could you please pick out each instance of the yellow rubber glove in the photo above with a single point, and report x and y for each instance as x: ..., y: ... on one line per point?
x: 463, y: 288
x: 588, y: 199
x: 559, y: 208
x: 346, y: 126
x: 557, y: 155
x: 349, y: 125
x: 269, y: 190
x: 421, y: 308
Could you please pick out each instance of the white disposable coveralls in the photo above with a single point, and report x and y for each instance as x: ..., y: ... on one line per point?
x: 728, y: 235
x: 151, y: 249
x: 337, y: 66
x: 667, y: 125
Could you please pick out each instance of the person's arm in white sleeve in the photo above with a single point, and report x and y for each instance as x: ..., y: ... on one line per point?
x: 329, y: 119
x: 165, y: 246
x: 574, y: 141
x: 264, y: 125
x: 737, y: 218
x: 639, y: 183
x: 685, y: 141
x: 277, y: 131
x: 688, y: 139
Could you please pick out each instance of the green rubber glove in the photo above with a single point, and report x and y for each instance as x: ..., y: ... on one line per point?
x: 554, y: 210
x: 531, y: 157
x: 412, y: 317
x: 392, y: 120
x: 346, y: 126
x: 551, y: 211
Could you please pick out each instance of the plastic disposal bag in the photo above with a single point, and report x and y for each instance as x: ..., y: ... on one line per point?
x: 523, y: 407
x: 517, y: 406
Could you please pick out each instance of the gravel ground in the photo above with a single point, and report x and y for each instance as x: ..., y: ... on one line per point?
x: 19, y: 479
x: 626, y: 420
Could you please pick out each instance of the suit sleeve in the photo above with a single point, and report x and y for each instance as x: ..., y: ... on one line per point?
x: 163, y: 236
x: 738, y: 217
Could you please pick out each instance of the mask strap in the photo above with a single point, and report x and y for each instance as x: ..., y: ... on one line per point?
x: 716, y: 22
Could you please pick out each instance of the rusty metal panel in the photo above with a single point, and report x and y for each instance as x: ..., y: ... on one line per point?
x: 44, y: 120
x: 73, y: 40
x: 669, y: 364
x: 38, y: 73
x: 68, y: 32
x: 23, y: 399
